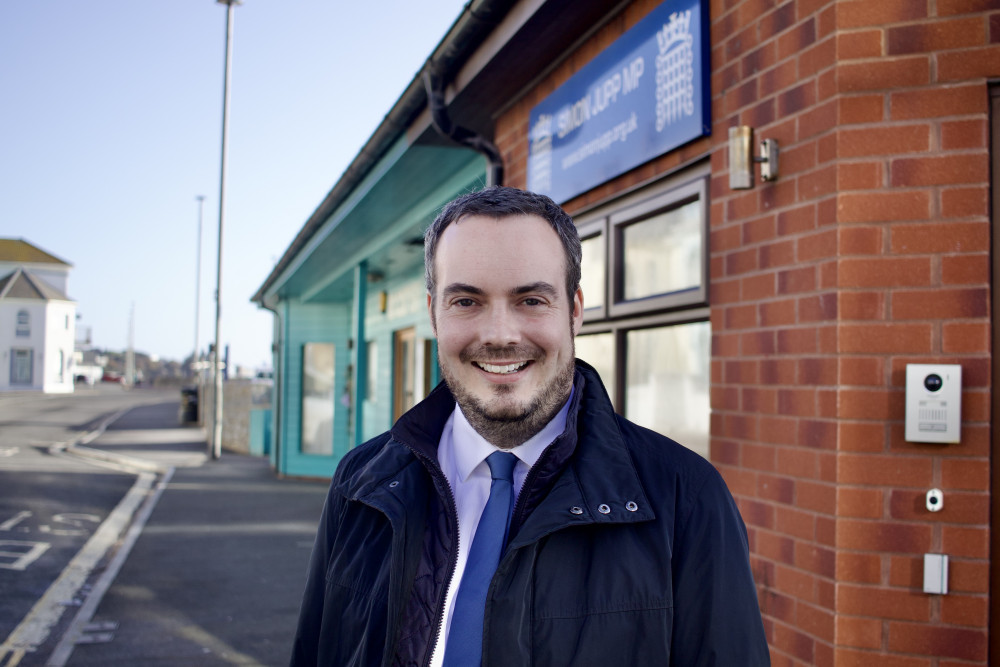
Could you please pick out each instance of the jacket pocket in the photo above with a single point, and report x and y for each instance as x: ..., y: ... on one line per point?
x: 356, y: 594
x: 609, y: 638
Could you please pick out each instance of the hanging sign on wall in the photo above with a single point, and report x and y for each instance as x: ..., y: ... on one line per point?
x: 645, y: 95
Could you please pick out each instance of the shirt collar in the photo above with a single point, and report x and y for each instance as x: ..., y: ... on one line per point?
x: 471, y: 449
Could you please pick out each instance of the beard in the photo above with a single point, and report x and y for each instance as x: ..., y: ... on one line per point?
x: 503, y: 420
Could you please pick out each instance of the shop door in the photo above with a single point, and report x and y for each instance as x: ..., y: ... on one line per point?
x: 411, y: 373
x: 404, y: 367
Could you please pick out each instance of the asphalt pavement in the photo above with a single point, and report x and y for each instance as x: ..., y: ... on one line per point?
x: 209, y: 566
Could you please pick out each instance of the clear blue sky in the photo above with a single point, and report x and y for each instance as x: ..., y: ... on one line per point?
x: 110, y: 126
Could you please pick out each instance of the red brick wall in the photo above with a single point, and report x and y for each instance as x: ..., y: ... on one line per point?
x: 776, y: 371
x: 871, y: 251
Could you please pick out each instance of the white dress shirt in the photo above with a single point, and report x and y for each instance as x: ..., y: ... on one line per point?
x: 462, y: 455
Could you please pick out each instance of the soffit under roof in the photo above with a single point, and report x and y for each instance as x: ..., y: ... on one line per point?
x: 531, y: 40
x: 383, y: 224
x: 486, y: 68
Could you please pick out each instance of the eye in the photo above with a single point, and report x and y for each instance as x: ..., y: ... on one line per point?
x: 464, y: 303
x: 533, y: 301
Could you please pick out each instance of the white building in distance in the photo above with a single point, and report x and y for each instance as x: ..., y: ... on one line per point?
x: 37, y: 320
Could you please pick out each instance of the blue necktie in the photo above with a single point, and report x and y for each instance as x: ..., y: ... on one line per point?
x: 465, y: 638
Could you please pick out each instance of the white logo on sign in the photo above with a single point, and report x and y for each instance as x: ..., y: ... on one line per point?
x: 674, y: 71
x: 540, y: 155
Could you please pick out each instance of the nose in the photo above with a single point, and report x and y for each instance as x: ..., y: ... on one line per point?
x: 501, y: 327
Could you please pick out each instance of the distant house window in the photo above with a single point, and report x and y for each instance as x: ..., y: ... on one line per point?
x: 23, y: 323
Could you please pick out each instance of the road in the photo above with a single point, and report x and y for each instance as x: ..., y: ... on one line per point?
x: 52, y: 505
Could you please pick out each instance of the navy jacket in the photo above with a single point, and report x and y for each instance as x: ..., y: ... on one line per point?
x: 626, y: 549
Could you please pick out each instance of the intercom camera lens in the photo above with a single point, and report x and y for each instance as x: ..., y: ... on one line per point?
x: 933, y: 382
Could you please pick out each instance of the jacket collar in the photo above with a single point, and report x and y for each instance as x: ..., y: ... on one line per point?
x: 410, y: 448
x: 585, y: 476
x: 598, y: 482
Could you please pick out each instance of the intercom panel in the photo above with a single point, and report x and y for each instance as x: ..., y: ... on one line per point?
x: 933, y: 403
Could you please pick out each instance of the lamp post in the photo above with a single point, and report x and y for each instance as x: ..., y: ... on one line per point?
x: 216, y: 444
x: 195, y: 366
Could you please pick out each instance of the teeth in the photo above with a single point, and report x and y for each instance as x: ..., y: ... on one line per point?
x: 507, y: 368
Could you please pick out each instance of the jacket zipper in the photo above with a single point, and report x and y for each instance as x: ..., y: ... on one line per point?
x: 516, y: 518
x: 452, y: 556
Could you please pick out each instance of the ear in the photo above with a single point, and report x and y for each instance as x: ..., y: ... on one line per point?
x: 430, y: 312
x: 577, y: 310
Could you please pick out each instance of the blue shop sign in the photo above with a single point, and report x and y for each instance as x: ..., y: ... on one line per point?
x: 646, y: 94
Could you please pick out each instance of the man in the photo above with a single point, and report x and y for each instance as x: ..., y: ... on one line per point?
x: 623, y: 548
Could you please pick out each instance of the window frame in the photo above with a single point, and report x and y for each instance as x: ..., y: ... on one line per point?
x: 589, y: 230
x: 686, y: 306
x: 22, y: 327
x: 305, y: 413
x: 619, y: 329
x: 662, y: 202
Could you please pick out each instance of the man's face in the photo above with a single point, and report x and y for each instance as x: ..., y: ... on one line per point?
x: 504, y: 323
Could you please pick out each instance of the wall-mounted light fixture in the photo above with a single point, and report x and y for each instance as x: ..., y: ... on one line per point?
x: 383, y: 301
x: 742, y: 159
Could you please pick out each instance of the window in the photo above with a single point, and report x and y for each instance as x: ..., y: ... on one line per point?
x: 647, y: 331
x: 593, y: 268
x: 23, y: 323
x: 371, y: 384
x: 660, y: 254
x: 667, y: 381
x: 317, y: 398
x: 598, y: 350
x: 659, y: 251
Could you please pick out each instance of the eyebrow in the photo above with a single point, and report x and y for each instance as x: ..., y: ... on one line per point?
x: 540, y: 287
x: 461, y: 288
x: 536, y: 288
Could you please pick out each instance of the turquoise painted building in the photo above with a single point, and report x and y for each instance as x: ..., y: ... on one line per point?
x: 353, y: 347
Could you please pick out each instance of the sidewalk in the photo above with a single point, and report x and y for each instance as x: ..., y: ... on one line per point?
x: 216, y: 575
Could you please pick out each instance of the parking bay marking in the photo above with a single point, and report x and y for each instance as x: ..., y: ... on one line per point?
x: 76, y: 520
x: 21, y: 553
x: 14, y: 520
x: 70, y: 519
x: 34, y: 629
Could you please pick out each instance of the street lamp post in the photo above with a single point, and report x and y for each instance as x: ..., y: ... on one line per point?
x: 195, y: 366
x: 216, y: 443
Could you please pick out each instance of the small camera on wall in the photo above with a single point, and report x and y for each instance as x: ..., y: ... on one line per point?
x: 935, y: 500
x: 933, y: 403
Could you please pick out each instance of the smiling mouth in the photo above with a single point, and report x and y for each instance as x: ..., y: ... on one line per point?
x: 501, y: 369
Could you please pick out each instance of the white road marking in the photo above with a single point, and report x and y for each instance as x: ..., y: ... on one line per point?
x: 34, y: 629
x: 14, y: 520
x: 22, y: 554
x: 64, y: 649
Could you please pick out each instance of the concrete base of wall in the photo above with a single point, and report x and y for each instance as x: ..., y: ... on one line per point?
x: 239, y: 399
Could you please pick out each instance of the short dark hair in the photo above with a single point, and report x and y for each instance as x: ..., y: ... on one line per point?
x: 501, y: 202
